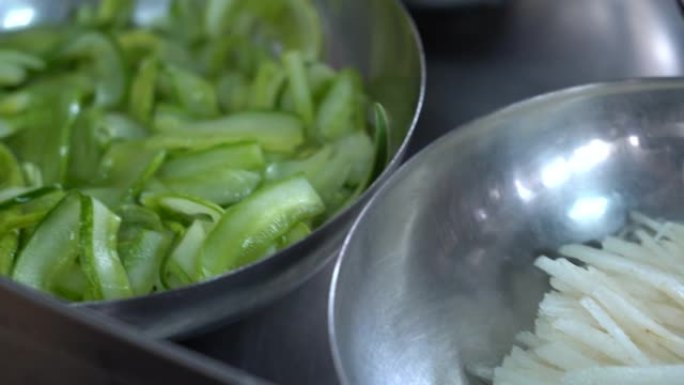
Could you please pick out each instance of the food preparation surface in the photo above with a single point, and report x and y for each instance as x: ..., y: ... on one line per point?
x: 478, y: 59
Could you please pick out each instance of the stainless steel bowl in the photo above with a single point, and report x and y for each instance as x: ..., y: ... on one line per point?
x: 375, y: 36
x: 437, y: 272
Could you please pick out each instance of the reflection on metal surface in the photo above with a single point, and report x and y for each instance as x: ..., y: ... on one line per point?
x: 44, y: 342
x: 661, y: 49
x: 560, y: 169
x: 634, y: 140
x: 495, y: 193
x: 586, y: 157
x: 555, y: 173
x: 664, y: 54
x: 18, y: 18
x: 523, y: 192
x: 588, y: 209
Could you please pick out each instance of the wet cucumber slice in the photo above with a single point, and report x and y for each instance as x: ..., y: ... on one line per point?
x: 223, y: 186
x: 106, y: 65
x: 142, y: 94
x: 240, y: 156
x: 142, y: 257
x: 97, y: 246
x: 249, y: 228
x: 182, y: 205
x: 9, y: 244
x: 181, y: 268
x: 274, y: 131
x: 53, y: 246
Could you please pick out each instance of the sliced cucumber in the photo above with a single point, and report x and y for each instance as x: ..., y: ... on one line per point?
x: 53, y: 246
x: 250, y: 227
x: 99, y: 257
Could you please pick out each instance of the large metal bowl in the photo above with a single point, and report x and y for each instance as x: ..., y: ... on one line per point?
x: 375, y: 36
x: 437, y: 271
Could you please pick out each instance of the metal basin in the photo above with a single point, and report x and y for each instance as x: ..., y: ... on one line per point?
x: 437, y: 272
x: 375, y: 36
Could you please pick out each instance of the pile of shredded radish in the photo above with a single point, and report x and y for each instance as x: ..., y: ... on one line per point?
x: 615, y: 314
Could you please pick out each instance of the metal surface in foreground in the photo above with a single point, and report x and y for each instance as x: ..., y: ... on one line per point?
x: 43, y: 342
x: 384, y: 46
x: 437, y: 272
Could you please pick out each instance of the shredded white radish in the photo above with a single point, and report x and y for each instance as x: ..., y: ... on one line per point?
x: 615, y: 314
x: 654, y: 375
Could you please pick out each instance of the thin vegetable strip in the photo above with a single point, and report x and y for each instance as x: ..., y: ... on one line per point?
x: 615, y: 316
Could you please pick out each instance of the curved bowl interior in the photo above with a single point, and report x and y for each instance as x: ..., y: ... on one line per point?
x: 437, y: 272
x: 375, y: 36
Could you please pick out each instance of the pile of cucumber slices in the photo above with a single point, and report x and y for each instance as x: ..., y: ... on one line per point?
x: 136, y: 159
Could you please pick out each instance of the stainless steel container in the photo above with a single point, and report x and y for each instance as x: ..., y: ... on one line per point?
x: 43, y: 342
x: 437, y: 273
x: 375, y: 36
